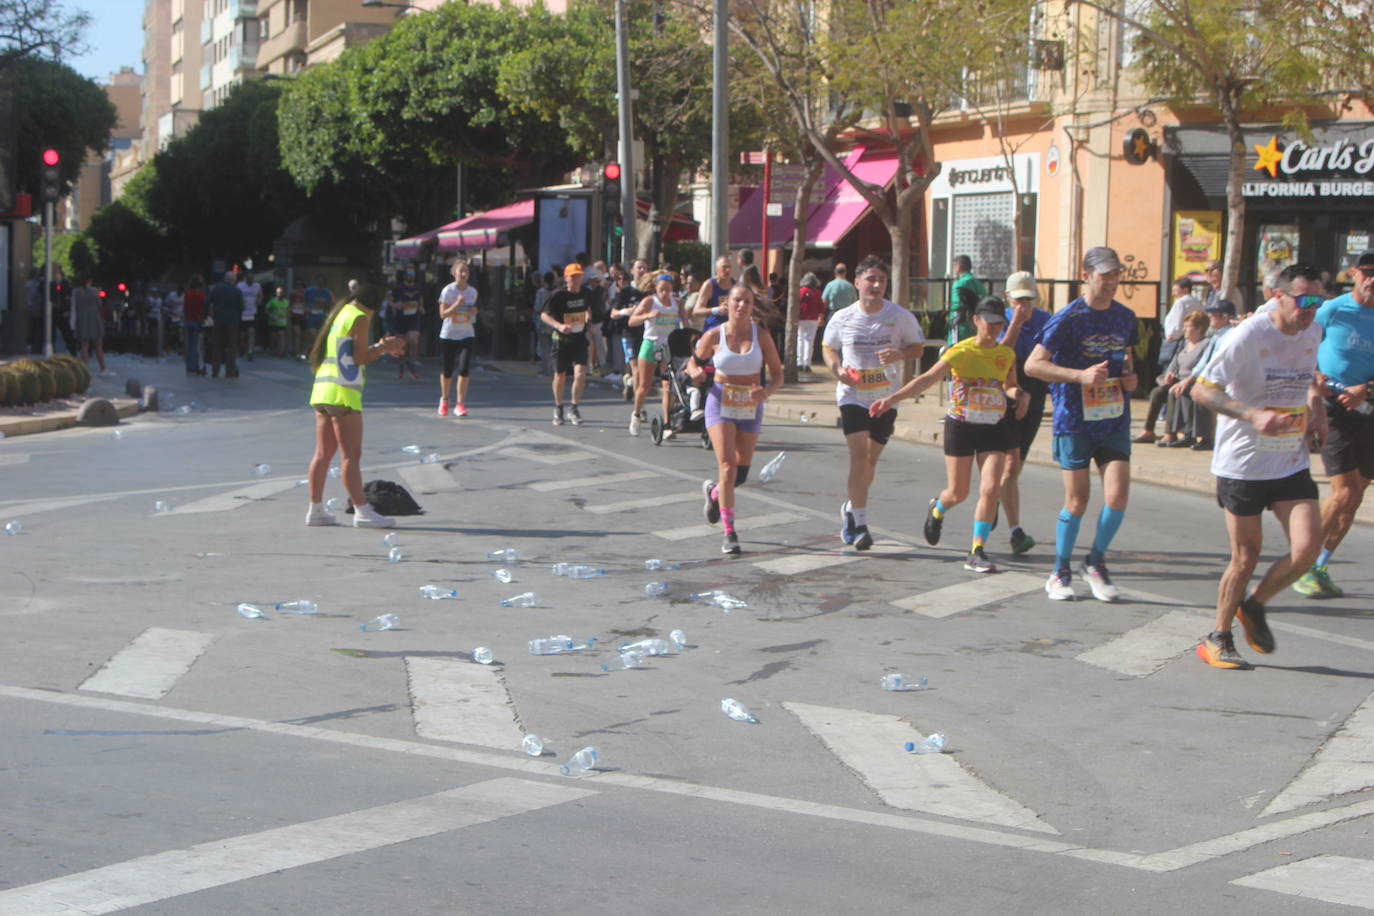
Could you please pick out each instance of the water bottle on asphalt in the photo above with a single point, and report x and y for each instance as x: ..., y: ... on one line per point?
x: 333, y: 504
x: 482, y: 655
x: 431, y: 458
x: 728, y: 603
x: 933, y: 744
x: 581, y: 762
x: 411, y: 449
x: 585, y: 572
x: 770, y: 470
x: 251, y: 612
x: 648, y: 647
x: 532, y: 745
x: 298, y: 607
x: 561, y: 569
x: 679, y: 639
x: 526, y: 599
x: 503, y: 576
x: 390, y: 539
x: 706, y: 595
x: 661, y: 564
x: 656, y: 589
x: 505, y: 555
x: 260, y: 470
x: 394, y: 555
x: 384, y: 622
x: 162, y: 506
x: 550, y: 645
x: 622, y: 661
x: 436, y: 592
x: 899, y: 682
x: 737, y: 711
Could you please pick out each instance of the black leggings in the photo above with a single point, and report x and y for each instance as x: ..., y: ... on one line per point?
x: 457, y: 351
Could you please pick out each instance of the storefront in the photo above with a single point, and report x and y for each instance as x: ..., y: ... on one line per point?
x: 973, y: 212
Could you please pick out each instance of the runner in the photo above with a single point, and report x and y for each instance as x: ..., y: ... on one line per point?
x: 709, y: 305
x: 659, y: 315
x: 1346, y: 364
x: 1024, y: 325
x: 567, y: 312
x: 406, y: 310
x: 1261, y: 383
x: 626, y: 301
x: 864, y: 346
x: 978, y: 426
x: 1085, y: 353
x: 457, y: 339
x: 736, y: 352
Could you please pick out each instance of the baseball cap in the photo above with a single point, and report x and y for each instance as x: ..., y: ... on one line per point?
x: 571, y: 269
x: 989, y: 308
x: 1021, y: 285
x: 1224, y: 306
x: 1366, y: 259
x: 1101, y: 259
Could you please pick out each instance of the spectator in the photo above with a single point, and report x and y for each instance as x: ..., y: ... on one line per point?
x: 193, y: 309
x: 297, y: 313
x: 966, y: 292
x: 839, y: 293
x: 319, y: 301
x: 225, y: 302
x: 1184, y: 302
x: 1178, y: 378
x: 809, y: 319
x: 252, y: 295
x: 90, y: 325
x: 541, y: 296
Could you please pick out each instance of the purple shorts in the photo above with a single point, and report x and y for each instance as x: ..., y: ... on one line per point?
x: 713, y: 417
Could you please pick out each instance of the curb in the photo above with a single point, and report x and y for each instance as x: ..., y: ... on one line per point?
x: 27, y: 426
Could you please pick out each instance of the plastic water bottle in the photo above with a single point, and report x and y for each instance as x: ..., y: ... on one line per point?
x: 728, y: 603
x: 260, y: 470
x: 661, y: 564
x: 384, y: 622
x: 581, y: 762
x: 679, y: 639
x: 804, y: 418
x: 436, y: 593
x: 585, y: 572
x: 251, y: 612
x: 183, y: 410
x: 770, y: 470
x: 505, y: 555
x: 302, y: 482
x: 394, y: 555
x: 162, y: 506
x: 13, y: 528
x: 656, y: 589
x: 482, y: 655
x: 532, y: 745
x: 933, y: 744
x: 298, y: 607
x: 503, y: 576
x: 647, y: 647
x: 737, y: 711
x: 550, y: 645
x: 117, y: 434
x: 898, y: 682
x: 524, y: 599
x: 390, y: 539
x: 334, y: 472
x: 561, y: 569
x: 411, y: 449
x: 622, y: 661
x: 333, y: 504
x: 1365, y: 407
x: 431, y: 458
x: 706, y: 595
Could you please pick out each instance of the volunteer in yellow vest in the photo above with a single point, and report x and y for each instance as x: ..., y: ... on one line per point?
x: 338, y: 356
x: 977, y: 425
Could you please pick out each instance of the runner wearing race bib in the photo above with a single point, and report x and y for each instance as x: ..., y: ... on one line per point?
x: 457, y: 337
x: 404, y: 311
x: 659, y: 315
x: 567, y: 311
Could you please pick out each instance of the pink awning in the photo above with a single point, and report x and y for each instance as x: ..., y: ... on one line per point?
x: 483, y: 230
x: 413, y: 247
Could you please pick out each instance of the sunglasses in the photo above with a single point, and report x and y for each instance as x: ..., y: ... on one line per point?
x: 1307, y: 302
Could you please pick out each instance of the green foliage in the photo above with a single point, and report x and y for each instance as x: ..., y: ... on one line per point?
x: 68, y: 249
x: 58, y: 108
x: 698, y: 254
x: 127, y: 247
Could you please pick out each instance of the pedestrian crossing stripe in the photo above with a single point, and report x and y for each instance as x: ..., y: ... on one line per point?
x: 150, y: 666
x: 1145, y: 649
x: 805, y: 562
x: 647, y: 502
x: 591, y: 483
x: 546, y: 456
x: 965, y: 596
x: 1343, y: 764
x: 233, y: 499
x: 1331, y: 879
x: 452, y: 700
x: 754, y: 522
x: 428, y: 478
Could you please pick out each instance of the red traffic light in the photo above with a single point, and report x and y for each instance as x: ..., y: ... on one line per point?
x: 121, y: 287
x: 51, y: 157
x: 611, y: 172
x: 102, y: 294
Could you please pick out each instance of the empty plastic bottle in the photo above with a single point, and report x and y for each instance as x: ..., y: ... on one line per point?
x: 656, y: 589
x: 661, y: 564
x: 679, y: 639
x: 581, y: 762
x: 728, y: 603
x: 1365, y: 407
x: 411, y: 449
x: 183, y: 410
x: 298, y: 607
x: 117, y: 434
x: 737, y: 711
x: 770, y: 470
x: 899, y: 682
x: 706, y: 595
x: 524, y: 599
x: 394, y: 555
x: 503, y: 576
x: 302, y: 482
x: 932, y: 744
x: 384, y: 622
x: 333, y: 504
x: 162, y: 506
x: 334, y: 472
x: 252, y: 612
x: 804, y: 418
x: 647, y: 647
x: 550, y: 645
x: 505, y: 555
x: 482, y: 655
x: 622, y: 661
x: 431, y: 458
x: 390, y: 539
x: 561, y: 569
x: 585, y: 572
x: 260, y: 470
x: 436, y: 593
x: 532, y: 745
x: 13, y: 528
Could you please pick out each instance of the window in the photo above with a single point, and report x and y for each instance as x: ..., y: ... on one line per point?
x: 982, y: 228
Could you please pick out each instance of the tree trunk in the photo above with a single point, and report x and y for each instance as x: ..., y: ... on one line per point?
x: 801, y: 212
x: 1235, y: 211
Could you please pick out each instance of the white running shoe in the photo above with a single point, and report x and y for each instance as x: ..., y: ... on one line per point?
x: 1099, y: 581
x: 1059, y: 586
x: 634, y: 423
x: 319, y: 516
x: 365, y: 516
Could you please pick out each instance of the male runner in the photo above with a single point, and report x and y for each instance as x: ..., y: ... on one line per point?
x: 1024, y: 325
x: 567, y: 311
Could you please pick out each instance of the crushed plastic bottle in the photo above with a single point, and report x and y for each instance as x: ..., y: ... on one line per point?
x: 251, y: 611
x: 585, y: 572
x: 524, y: 599
x: 899, y: 682
x: 561, y: 569
x: 411, y: 449
x: 13, y: 528
x: 727, y: 602
x: 661, y: 564
x: 333, y: 504
x: 162, y: 505
x: 436, y: 593
x: 334, y: 472
x: 679, y: 639
x: 770, y: 470
x: 656, y: 589
x: 183, y: 410
x: 932, y: 744
x: 503, y: 575
x: 394, y: 555
x: 482, y: 655
x: 302, y: 606
x: 622, y: 661
x: 260, y: 470
x: 584, y: 760
x: 431, y: 458
x: 532, y: 745
x: 117, y: 434
x: 551, y: 645
x: 706, y: 595
x: 737, y: 711
x: 390, y: 539
x: 384, y: 622
x: 647, y: 647
x: 505, y: 555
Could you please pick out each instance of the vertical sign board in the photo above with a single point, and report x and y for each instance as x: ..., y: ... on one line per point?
x: 1197, y: 240
x: 562, y: 225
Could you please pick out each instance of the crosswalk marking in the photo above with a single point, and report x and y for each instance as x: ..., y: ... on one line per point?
x: 752, y: 523
x: 223, y: 502
x: 9, y: 458
x: 22, y: 510
x: 804, y: 563
x: 1333, y: 879
x: 953, y: 599
x: 151, y: 665
x: 461, y: 701
x: 1345, y: 763
x: 1150, y: 647
x: 164, y: 875
x: 429, y: 477
x: 544, y: 456
x: 648, y: 502
x: 600, y: 480
x: 871, y: 744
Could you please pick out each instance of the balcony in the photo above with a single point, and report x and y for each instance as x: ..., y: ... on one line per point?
x: 291, y: 38
x: 243, y: 58
x: 245, y: 9
x: 206, y: 31
x: 204, y: 77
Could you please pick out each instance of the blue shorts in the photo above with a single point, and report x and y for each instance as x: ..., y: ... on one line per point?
x: 1074, y: 452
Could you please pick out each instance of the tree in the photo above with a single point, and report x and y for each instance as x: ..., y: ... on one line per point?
x: 58, y: 108
x: 125, y: 246
x: 39, y: 28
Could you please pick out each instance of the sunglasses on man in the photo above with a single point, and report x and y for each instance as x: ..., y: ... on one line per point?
x: 1307, y: 302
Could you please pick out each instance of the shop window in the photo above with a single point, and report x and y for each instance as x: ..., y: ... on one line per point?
x: 982, y: 227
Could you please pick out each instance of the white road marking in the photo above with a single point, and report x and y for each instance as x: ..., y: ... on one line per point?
x: 1150, y: 647
x: 234, y: 499
x: 648, y: 502
x: 870, y: 744
x: 429, y: 477
x: 151, y: 665
x: 805, y: 562
x: 543, y: 456
x: 461, y: 701
x: 1344, y: 764
x: 1333, y: 879
x: 1296, y: 629
x: 600, y: 480
x: 748, y: 523
x: 9, y: 458
x: 164, y: 875
x: 965, y: 596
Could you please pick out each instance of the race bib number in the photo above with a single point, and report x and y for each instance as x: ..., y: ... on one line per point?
x: 736, y: 402
x: 985, y: 406
x: 1293, y: 435
x: 576, y: 322
x: 872, y: 384
x: 1104, y: 401
x: 665, y: 319
x: 461, y: 317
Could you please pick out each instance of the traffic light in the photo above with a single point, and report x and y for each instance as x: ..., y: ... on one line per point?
x: 610, y: 192
x: 122, y: 287
x: 51, y: 182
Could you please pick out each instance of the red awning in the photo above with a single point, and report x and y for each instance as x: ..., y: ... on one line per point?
x: 413, y: 247
x: 484, y: 230
x: 681, y: 228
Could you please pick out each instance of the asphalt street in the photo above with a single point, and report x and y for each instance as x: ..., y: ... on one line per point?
x: 165, y: 755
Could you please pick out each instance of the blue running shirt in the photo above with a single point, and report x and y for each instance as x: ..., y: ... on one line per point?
x: 1347, y: 350
x: 1079, y: 336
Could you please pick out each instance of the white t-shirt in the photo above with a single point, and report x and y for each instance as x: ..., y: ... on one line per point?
x: 1173, y: 322
x: 252, y: 292
x: 459, y: 327
x: 1259, y: 365
x: 858, y: 336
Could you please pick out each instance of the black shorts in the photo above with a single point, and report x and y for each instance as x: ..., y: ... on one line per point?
x: 964, y: 439
x: 459, y: 353
x: 568, y: 352
x: 1349, y: 442
x: 855, y: 419
x: 1252, y: 497
x: 1028, y: 426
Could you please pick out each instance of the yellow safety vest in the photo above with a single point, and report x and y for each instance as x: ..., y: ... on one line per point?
x: 339, y: 380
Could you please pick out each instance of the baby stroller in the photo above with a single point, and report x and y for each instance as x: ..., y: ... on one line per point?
x: 680, y: 345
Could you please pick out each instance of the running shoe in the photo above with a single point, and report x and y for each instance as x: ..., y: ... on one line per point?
x: 1219, y: 650
x: 710, y: 508
x: 847, y: 533
x: 933, y: 525
x: 634, y: 423
x: 461, y: 410
x: 1316, y: 583
x: 669, y: 432
x: 558, y: 415
x: 443, y: 407
x: 574, y: 415
x: 862, y: 539
x: 730, y: 545
x: 1059, y: 586
x: 1099, y: 581
x: 1021, y: 542
x: 978, y: 562
x: 1257, y: 632
x: 319, y: 516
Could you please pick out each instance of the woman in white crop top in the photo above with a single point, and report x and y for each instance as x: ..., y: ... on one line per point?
x: 737, y: 353
x: 659, y: 315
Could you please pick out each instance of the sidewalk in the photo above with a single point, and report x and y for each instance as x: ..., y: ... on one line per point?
x: 44, y: 418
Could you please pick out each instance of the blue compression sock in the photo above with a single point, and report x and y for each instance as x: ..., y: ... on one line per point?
x: 1065, y: 535
x: 981, y: 530
x: 1323, y: 558
x: 1108, y: 522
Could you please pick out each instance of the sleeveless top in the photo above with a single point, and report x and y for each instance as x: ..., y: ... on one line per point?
x: 658, y: 327
x: 730, y: 363
x: 339, y: 380
x: 716, y: 292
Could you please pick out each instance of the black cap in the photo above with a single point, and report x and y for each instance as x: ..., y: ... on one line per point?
x: 1366, y: 258
x: 990, y: 308
x: 1224, y: 306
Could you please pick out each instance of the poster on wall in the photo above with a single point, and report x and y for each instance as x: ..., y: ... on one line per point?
x: 1278, y: 247
x: 1197, y: 240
